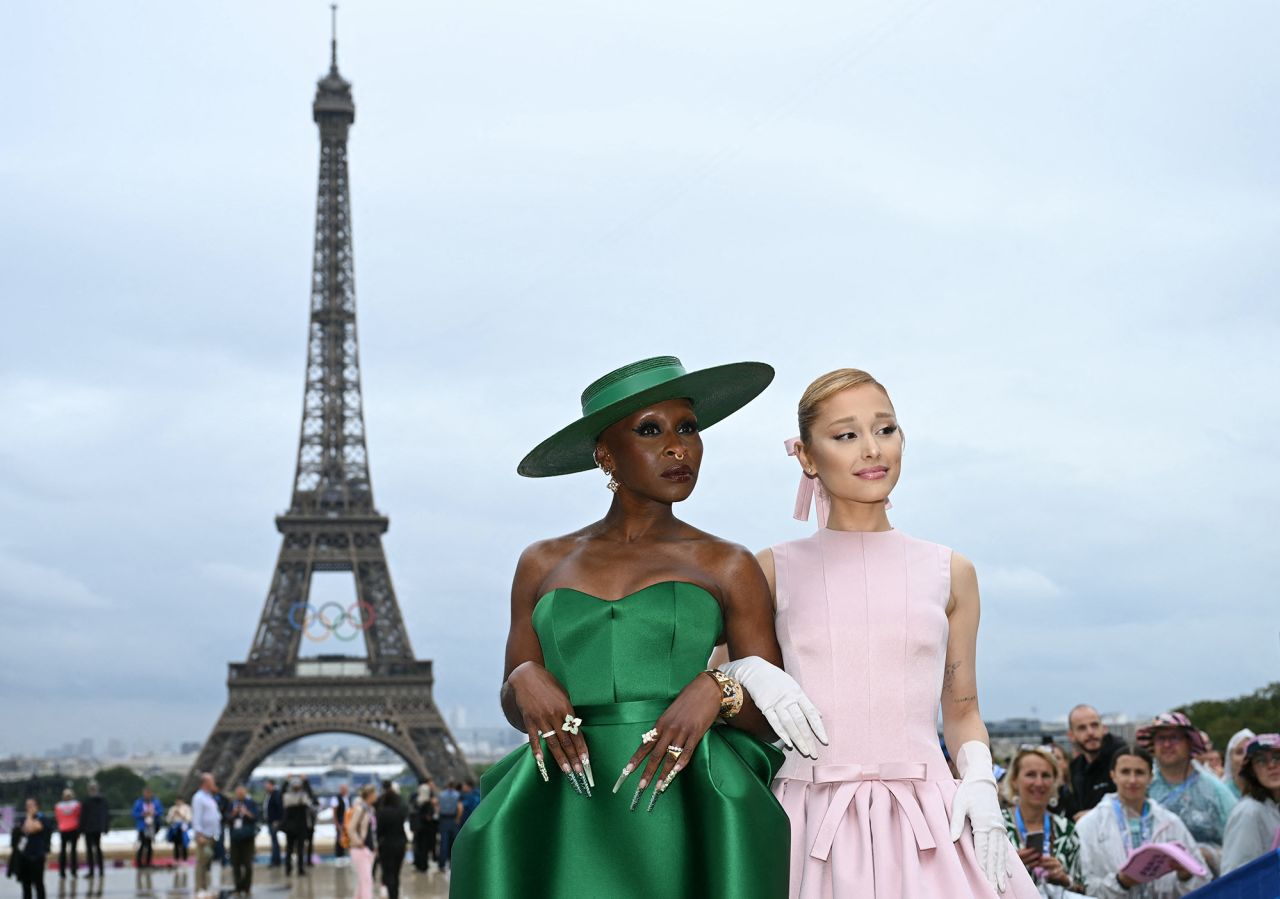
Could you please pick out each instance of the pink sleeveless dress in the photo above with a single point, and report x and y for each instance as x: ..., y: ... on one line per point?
x: 863, y: 627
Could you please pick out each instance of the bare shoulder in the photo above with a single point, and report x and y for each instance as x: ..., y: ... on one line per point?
x: 764, y: 559
x: 541, y: 557
x: 721, y: 555
x: 964, y: 584
x: 962, y: 569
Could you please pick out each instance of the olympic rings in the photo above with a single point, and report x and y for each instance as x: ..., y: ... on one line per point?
x: 360, y: 620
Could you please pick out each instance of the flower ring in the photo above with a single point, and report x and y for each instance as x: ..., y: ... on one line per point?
x: 649, y: 736
x: 571, y: 724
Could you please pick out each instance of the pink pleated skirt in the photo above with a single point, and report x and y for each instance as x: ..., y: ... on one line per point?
x: 885, y: 839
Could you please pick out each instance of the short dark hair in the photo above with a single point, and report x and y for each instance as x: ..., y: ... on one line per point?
x: 1134, y: 750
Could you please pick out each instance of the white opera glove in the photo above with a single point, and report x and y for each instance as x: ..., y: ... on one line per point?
x: 976, y: 801
x: 776, y: 694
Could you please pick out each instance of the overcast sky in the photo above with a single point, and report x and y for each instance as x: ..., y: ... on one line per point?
x: 1050, y: 229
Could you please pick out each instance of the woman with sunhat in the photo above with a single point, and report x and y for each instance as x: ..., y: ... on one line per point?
x: 627, y: 788
x: 1254, y: 826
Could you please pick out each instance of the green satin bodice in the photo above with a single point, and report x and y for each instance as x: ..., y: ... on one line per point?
x: 593, y: 646
x: 716, y: 831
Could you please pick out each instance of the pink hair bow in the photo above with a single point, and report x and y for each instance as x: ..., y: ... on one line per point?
x: 810, y: 492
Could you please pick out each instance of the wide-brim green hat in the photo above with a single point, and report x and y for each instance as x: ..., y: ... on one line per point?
x: 716, y: 393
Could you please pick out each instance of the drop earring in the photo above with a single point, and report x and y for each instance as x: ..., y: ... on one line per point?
x: 613, y: 484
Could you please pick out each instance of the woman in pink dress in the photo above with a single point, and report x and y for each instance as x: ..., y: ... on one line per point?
x: 878, y: 628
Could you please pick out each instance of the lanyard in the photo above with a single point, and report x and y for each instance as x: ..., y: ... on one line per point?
x: 1181, y: 788
x: 1022, y: 829
x: 1145, y: 825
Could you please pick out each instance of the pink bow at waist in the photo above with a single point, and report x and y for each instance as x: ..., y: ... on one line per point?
x: 853, y: 778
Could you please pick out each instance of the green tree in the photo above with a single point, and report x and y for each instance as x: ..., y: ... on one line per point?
x: 47, y: 789
x: 1221, y: 718
x: 120, y: 786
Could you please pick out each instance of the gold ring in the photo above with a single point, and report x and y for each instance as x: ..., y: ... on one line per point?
x: 674, y: 751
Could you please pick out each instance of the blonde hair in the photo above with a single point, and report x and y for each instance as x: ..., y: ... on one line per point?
x: 1015, y: 766
x: 824, y: 388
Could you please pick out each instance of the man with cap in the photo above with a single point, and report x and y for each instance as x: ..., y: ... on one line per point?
x: 1185, y: 787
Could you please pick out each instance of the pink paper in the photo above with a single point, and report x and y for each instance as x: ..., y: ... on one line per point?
x: 1158, y: 859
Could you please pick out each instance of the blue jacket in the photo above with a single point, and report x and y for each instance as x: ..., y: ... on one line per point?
x: 139, y: 817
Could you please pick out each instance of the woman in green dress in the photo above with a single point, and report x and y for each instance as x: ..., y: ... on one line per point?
x: 645, y: 774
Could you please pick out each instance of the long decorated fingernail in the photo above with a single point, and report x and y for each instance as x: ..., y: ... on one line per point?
x: 586, y: 787
x: 626, y: 772
x: 542, y: 768
x: 657, y: 791
x: 591, y: 778
x: 568, y: 772
x: 666, y: 781
x: 635, y: 800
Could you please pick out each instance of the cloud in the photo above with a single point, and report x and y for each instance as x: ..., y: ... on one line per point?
x: 1018, y: 583
x: 30, y: 584
x: 1066, y: 278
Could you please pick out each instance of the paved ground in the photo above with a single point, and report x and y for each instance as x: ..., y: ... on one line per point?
x: 323, y: 881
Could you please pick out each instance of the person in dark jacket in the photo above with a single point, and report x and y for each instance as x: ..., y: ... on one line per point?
x: 275, y: 818
x: 339, y: 815
x: 95, y: 818
x: 390, y: 814
x: 29, y: 849
x: 220, y: 853
x: 1091, y: 768
x: 296, y: 810
x: 313, y: 815
x: 242, y: 823
x: 423, y: 822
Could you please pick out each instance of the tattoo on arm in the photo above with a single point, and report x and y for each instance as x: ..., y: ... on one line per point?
x: 963, y: 699
x: 949, y: 676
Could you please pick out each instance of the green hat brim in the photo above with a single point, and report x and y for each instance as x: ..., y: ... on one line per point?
x: 716, y: 393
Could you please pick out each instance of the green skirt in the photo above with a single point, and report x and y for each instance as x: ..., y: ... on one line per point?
x: 716, y: 831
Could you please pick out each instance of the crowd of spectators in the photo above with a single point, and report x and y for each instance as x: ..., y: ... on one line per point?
x: 1075, y: 817
x: 377, y: 829
x: 1077, y: 820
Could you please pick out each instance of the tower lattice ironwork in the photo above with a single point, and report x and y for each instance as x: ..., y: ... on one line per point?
x: 332, y: 524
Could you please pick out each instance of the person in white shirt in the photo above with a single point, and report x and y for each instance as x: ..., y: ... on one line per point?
x: 1125, y: 820
x: 1254, y: 826
x: 206, y: 824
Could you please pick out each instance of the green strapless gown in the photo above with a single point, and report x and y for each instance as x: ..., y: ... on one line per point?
x: 716, y: 832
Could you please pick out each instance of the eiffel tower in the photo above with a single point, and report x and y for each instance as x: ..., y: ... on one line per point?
x: 276, y: 697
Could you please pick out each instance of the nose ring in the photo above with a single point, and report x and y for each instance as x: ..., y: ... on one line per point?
x: 679, y: 456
